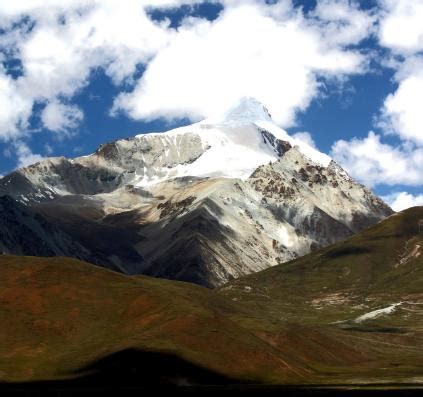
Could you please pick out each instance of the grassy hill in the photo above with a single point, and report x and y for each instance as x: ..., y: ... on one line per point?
x: 365, y: 293
x: 61, y: 315
x: 303, y: 322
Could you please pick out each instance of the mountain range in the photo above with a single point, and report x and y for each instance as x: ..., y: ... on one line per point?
x: 207, y: 203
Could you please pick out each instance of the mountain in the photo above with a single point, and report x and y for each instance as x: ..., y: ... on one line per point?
x: 348, y: 314
x: 206, y: 203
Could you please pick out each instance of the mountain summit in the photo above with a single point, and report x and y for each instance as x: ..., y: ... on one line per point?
x: 245, y: 110
x: 206, y: 203
x: 231, y: 145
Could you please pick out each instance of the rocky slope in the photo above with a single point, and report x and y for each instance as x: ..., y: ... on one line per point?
x: 205, y: 203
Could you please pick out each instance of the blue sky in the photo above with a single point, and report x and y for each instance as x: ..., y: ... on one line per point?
x: 347, y: 73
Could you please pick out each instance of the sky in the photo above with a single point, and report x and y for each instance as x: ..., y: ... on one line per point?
x: 344, y: 75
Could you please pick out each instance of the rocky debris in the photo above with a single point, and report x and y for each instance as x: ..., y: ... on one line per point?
x: 170, y: 208
x: 280, y: 146
x: 271, y: 185
x: 108, y: 151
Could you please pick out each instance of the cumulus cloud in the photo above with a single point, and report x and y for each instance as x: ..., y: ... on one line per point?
x: 304, y: 137
x: 59, y: 43
x: 59, y: 117
x: 369, y: 159
x: 343, y: 22
x: 401, y: 27
x: 209, y: 65
x: 15, y: 109
x: 24, y: 154
x: 401, y: 31
x: 194, y: 71
x: 373, y: 162
x: 402, y: 200
x: 402, y: 111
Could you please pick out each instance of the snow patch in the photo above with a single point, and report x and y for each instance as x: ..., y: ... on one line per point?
x: 231, y: 151
x: 377, y: 313
x: 285, y: 237
x: 233, y: 144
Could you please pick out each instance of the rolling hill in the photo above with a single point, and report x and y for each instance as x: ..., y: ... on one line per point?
x: 366, y: 291
x: 350, y: 313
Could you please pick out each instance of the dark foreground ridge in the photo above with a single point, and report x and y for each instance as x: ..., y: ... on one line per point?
x: 131, y: 371
x: 128, y: 370
x: 82, y: 387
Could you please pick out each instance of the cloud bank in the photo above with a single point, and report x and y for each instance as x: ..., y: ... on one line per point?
x: 369, y: 159
x: 403, y: 200
x: 273, y: 51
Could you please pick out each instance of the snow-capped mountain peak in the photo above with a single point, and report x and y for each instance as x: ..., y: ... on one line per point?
x: 207, y: 202
x: 248, y: 111
x: 230, y: 145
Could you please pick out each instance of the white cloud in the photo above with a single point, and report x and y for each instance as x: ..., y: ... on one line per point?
x: 401, y: 27
x: 194, y: 71
x: 15, y: 109
x: 373, y: 162
x: 369, y: 159
x: 304, y: 137
x: 343, y: 22
x: 402, y: 110
x: 252, y: 49
x: 403, y: 200
x: 401, y: 31
x: 60, y: 44
x: 59, y: 117
x: 49, y: 149
x: 24, y: 154
x: 401, y: 113
x: 50, y: 9
x: 58, y: 57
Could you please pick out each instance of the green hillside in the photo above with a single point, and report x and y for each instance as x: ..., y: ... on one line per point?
x: 303, y: 322
x: 59, y: 315
x: 328, y: 291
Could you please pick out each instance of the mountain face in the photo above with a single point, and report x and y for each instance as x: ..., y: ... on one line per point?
x: 206, y: 203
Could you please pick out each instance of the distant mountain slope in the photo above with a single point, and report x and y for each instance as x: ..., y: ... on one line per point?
x: 206, y: 203
x: 23, y: 231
